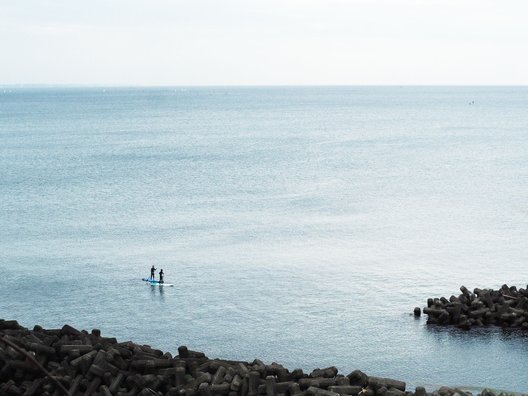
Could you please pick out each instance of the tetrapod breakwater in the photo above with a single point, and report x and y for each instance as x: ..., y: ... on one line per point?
x: 505, y: 307
x: 73, y: 362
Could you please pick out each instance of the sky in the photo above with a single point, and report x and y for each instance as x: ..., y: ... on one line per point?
x: 264, y: 42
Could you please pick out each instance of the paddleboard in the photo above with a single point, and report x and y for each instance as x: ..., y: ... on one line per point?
x: 156, y: 283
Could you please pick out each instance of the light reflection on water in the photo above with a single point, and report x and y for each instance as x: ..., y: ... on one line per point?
x: 299, y: 225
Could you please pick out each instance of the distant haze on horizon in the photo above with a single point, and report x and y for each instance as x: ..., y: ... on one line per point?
x: 272, y: 42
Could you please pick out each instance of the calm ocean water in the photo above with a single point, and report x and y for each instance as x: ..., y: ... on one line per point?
x: 300, y: 225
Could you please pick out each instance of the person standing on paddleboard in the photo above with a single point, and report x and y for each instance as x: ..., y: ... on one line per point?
x: 161, y: 276
x: 152, y: 273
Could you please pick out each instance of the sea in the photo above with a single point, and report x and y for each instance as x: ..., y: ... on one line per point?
x: 299, y: 225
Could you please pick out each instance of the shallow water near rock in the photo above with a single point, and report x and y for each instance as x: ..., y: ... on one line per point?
x: 299, y: 225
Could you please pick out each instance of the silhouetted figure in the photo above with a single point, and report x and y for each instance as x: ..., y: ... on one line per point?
x: 161, y: 276
x: 152, y: 273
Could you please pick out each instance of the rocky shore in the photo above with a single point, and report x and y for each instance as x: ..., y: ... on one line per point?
x: 506, y: 307
x: 67, y: 361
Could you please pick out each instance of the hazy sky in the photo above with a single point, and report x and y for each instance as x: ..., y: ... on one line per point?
x: 211, y: 42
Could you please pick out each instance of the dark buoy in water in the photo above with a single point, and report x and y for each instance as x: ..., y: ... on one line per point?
x: 417, y: 311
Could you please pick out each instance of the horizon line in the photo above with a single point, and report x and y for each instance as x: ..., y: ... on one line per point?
x: 98, y: 85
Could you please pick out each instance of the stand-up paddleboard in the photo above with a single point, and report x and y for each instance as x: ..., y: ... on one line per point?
x: 157, y: 283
